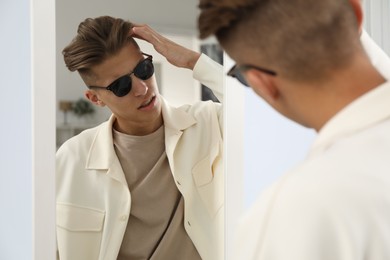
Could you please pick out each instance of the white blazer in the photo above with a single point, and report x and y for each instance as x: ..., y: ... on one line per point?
x: 336, y: 204
x: 93, y: 198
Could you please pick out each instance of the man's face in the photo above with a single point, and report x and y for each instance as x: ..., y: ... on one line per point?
x: 142, y: 105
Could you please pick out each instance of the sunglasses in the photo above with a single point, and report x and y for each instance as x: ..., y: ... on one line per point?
x: 236, y: 72
x: 122, y: 86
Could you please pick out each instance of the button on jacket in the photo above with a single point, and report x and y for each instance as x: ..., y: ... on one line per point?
x: 93, y: 198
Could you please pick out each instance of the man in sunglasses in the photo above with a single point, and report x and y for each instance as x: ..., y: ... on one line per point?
x: 306, y: 59
x: 148, y: 183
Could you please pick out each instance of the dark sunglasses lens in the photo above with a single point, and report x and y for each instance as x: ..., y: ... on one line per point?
x: 122, y: 86
x: 236, y: 73
x: 144, y: 70
x: 242, y: 79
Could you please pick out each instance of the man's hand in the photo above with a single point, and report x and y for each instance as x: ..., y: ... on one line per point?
x: 177, y: 55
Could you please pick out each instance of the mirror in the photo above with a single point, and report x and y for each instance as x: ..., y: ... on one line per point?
x: 91, y: 225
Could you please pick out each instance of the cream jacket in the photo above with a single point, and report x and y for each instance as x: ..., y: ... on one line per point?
x: 93, y: 198
x: 336, y: 204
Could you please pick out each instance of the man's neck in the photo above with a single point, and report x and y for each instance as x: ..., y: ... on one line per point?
x: 139, y: 129
x: 341, y: 90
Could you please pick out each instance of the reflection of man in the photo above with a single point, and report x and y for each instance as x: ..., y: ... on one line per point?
x: 304, y: 57
x: 148, y: 183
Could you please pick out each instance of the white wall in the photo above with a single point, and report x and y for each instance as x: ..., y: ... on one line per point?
x: 27, y: 132
x: 15, y: 131
x: 273, y: 144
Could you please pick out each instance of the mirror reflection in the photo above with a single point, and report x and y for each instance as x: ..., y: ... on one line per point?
x: 139, y: 161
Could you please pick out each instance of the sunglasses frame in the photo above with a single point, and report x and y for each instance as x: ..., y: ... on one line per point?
x: 237, y: 70
x: 112, y: 86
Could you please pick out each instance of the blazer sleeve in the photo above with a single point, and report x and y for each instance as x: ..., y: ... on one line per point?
x: 210, y: 74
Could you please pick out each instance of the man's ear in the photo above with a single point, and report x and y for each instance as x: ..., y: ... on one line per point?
x: 263, y: 84
x: 93, y: 97
x: 358, y: 10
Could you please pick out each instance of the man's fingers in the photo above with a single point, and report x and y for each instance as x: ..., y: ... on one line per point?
x: 145, y: 34
x: 135, y: 32
x: 174, y: 53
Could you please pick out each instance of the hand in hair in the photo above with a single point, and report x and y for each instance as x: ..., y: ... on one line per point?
x: 176, y: 54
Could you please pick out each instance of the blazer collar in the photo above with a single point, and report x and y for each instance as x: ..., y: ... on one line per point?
x: 102, y: 153
x: 366, y: 111
x: 176, y: 119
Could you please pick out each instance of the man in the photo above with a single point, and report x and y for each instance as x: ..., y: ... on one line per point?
x: 148, y: 183
x: 305, y: 58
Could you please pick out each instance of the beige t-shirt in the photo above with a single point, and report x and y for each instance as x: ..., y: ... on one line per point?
x: 155, y: 229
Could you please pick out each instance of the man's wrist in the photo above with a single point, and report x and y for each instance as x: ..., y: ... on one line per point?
x: 194, y: 59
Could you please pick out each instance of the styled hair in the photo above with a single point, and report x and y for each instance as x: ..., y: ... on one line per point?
x: 96, y: 39
x: 302, y: 40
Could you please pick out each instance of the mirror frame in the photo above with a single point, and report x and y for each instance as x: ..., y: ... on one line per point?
x: 43, y: 82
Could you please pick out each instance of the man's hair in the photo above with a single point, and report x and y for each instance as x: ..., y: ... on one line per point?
x: 96, y: 40
x: 302, y: 40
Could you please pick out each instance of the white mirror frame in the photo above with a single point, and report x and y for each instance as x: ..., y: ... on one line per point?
x: 233, y: 155
x: 43, y: 79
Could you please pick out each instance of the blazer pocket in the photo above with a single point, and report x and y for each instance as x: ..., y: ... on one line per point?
x: 209, y: 180
x: 79, y: 232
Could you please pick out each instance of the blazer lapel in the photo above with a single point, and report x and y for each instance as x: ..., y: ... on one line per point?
x: 176, y: 120
x: 102, y: 156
